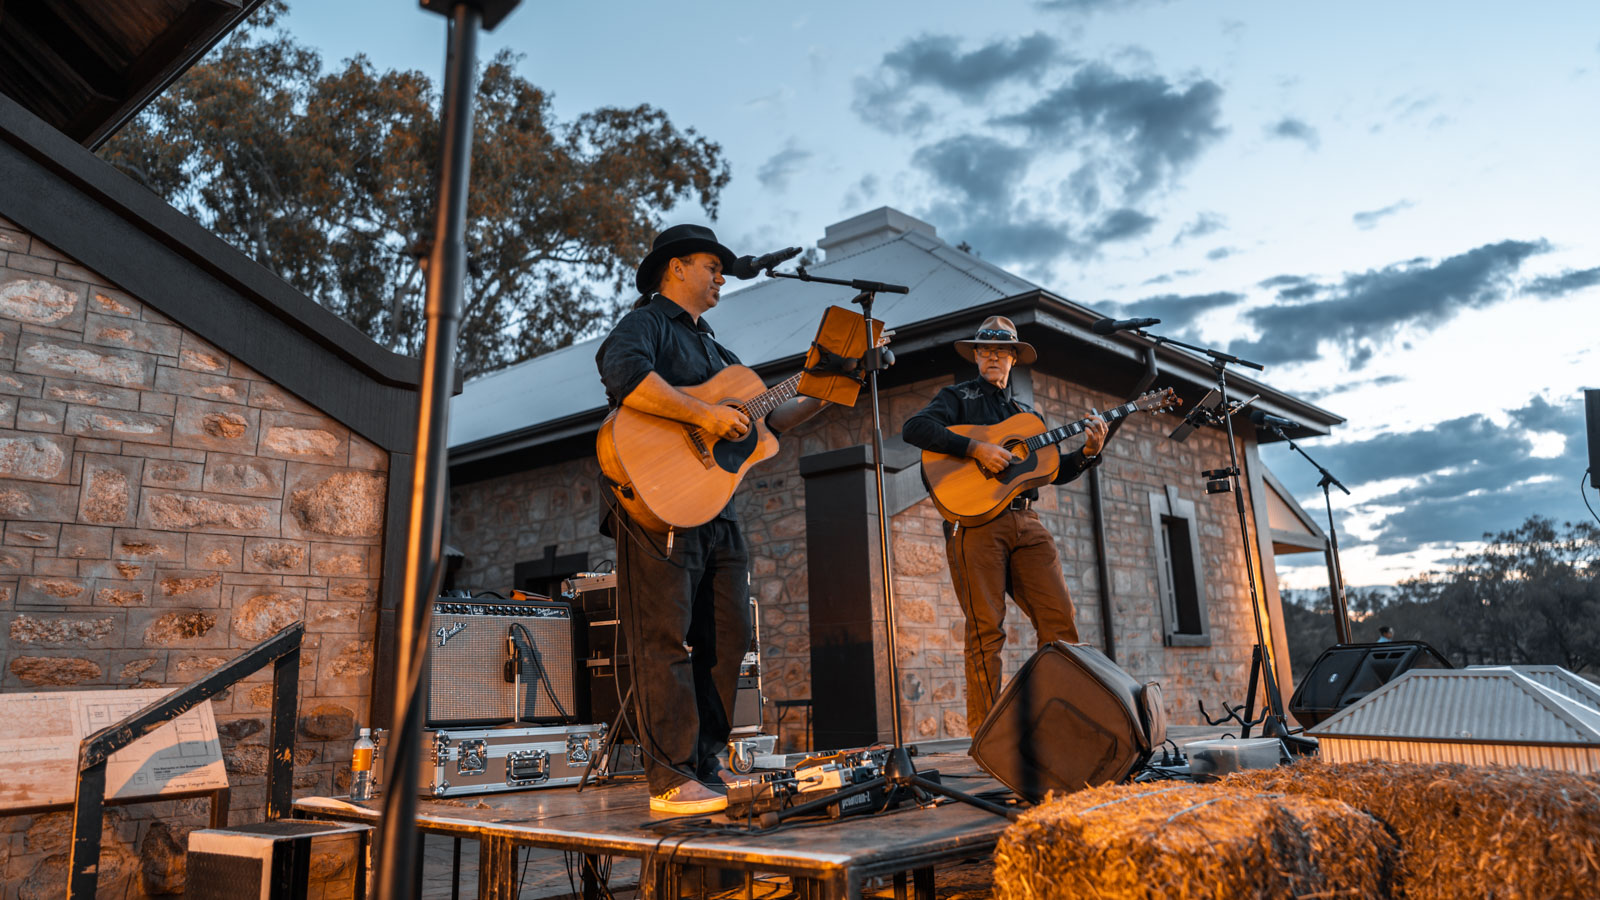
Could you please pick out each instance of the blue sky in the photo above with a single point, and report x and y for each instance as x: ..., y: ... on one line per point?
x: 1392, y: 205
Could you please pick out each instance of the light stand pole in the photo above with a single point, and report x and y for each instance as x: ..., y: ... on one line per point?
x: 447, y: 265
x: 1341, y: 608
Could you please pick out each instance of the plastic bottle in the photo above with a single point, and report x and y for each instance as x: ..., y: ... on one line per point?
x: 361, y: 767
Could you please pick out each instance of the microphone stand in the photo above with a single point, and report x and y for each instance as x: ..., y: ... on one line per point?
x: 1341, y: 610
x: 898, y: 770
x: 1273, y: 722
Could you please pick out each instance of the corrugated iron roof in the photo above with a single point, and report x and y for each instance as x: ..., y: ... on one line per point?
x: 771, y: 320
x: 1484, y: 705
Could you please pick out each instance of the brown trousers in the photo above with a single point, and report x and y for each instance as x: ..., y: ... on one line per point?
x: 1013, y: 553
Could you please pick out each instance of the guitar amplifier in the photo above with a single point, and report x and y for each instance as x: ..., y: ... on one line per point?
x: 473, y: 638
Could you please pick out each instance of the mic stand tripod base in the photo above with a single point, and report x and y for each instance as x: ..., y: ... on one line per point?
x: 898, y: 773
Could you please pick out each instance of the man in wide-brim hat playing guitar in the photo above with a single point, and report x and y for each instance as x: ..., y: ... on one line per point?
x: 692, y: 587
x: 1013, y: 549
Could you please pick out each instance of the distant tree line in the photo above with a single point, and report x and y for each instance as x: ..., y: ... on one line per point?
x: 1531, y: 595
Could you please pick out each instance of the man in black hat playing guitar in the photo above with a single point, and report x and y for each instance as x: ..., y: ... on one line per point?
x: 1012, y: 551
x: 694, y: 587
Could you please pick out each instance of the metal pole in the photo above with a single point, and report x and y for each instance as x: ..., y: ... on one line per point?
x: 1341, y: 609
x: 447, y: 261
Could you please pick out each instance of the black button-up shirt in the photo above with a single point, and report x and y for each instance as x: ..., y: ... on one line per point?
x: 977, y: 402
x: 660, y: 337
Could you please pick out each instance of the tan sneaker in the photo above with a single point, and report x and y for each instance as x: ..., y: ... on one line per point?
x: 687, y: 799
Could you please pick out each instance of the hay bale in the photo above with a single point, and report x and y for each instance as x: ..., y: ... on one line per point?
x: 1465, y: 831
x: 1173, y: 840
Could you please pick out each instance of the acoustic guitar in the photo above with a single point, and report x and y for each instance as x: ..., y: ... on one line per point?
x: 669, y: 475
x: 963, y: 492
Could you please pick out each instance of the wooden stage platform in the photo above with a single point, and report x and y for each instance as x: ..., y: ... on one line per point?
x: 826, y: 859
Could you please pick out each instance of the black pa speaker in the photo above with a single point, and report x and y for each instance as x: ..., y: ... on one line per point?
x: 468, y: 661
x: 1591, y: 410
x: 1345, y: 673
x: 1071, y: 719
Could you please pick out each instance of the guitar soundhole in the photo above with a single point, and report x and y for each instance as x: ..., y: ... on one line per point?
x: 1022, y: 468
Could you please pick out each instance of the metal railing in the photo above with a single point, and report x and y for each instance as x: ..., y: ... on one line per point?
x: 282, y: 650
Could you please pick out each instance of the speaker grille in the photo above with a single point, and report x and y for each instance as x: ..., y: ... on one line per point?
x: 466, y: 663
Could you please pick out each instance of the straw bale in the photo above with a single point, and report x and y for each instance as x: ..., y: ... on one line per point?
x: 1185, y: 842
x: 1466, y: 831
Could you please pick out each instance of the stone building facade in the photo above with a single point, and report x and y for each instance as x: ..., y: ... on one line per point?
x: 552, y: 511
x: 166, y: 507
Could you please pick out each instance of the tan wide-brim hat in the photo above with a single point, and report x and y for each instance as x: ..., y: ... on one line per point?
x: 997, y: 331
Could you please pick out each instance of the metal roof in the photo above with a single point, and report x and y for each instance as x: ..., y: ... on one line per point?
x: 1483, y: 705
x: 774, y: 319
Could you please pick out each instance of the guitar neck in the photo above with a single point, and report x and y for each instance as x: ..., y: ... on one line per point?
x: 773, y: 397
x: 1057, y: 435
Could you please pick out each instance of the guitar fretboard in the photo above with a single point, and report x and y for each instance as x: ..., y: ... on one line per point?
x: 1057, y: 435
x: 758, y: 406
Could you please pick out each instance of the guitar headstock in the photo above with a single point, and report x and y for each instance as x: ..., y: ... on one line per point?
x: 1159, y: 400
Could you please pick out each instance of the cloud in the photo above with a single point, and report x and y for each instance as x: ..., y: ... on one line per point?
x: 1120, y: 225
x: 885, y: 99
x: 1550, y: 286
x: 776, y: 171
x: 1219, y: 253
x: 1291, y: 129
x: 1090, y: 7
x: 1363, y: 313
x: 984, y: 171
x: 1317, y: 395
x: 1145, y: 130
x: 1176, y: 309
x: 1462, y: 477
x: 1204, y: 223
x: 1369, y: 219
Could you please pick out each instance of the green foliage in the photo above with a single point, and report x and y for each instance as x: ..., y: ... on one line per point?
x: 1531, y: 595
x: 328, y: 179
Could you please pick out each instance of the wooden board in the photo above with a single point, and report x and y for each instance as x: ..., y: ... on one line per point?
x: 40, y: 734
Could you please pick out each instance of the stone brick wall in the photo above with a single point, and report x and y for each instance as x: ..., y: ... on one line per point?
x: 165, y: 508
x: 500, y: 521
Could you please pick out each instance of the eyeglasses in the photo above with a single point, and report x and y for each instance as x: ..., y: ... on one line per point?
x: 992, y: 352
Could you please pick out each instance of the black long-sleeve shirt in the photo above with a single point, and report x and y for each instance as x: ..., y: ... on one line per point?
x: 661, y: 337
x: 977, y: 402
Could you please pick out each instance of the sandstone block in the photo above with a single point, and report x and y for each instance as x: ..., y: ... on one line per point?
x: 40, y: 300
x: 158, y: 403
x: 366, y: 455
x: 118, y: 425
x: 196, y: 355
x: 265, y: 613
x: 345, y: 666
x: 86, y: 393
x: 251, y: 759
x: 35, y: 457
x: 276, y: 557
x: 176, y: 454
x: 317, y: 439
x: 109, y: 331
x: 111, y: 302
x: 53, y: 671
x: 16, y: 561
x: 174, y: 475
x: 178, y: 628
x: 40, y: 415
x: 122, y: 594
x: 20, y: 385
x: 8, y: 411
x: 9, y: 332
x: 202, y: 386
x: 183, y: 668
x: 63, y: 631
x: 340, y: 559
x: 334, y: 503
x: 180, y: 587
x: 110, y: 495
x: 179, y: 511
x: 30, y: 263
x: 38, y: 501
x: 47, y: 355
x: 333, y: 617
x: 360, y: 591
x: 153, y: 548
x: 207, y: 425
x: 328, y: 722
x: 133, y: 669
x: 13, y: 241
x: 37, y: 535
x: 266, y: 395
x: 163, y: 860
x: 215, y: 552
x: 248, y: 475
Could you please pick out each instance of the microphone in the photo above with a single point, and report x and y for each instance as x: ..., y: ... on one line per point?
x: 748, y: 267
x: 1110, y: 326
x: 1268, y: 420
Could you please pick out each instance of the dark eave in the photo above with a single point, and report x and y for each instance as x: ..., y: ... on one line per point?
x: 87, y: 66
x: 61, y: 193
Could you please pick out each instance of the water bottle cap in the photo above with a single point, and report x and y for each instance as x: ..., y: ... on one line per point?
x: 366, y: 732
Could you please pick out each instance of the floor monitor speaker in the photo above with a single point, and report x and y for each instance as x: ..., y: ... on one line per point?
x: 1070, y: 719
x: 1345, y: 673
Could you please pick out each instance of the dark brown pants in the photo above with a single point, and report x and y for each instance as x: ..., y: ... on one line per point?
x: 1013, y: 553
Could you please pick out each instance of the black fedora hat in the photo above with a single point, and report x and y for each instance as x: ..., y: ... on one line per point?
x: 679, y: 240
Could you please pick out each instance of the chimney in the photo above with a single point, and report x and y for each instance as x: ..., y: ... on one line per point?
x: 869, y: 230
